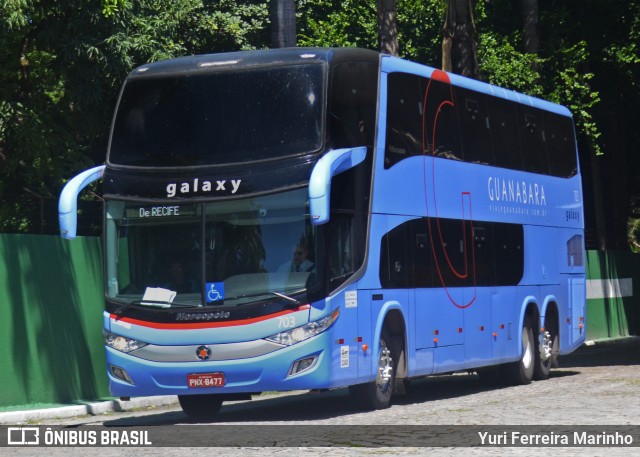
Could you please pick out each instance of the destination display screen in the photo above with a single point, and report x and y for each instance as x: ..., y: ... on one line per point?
x: 161, y: 211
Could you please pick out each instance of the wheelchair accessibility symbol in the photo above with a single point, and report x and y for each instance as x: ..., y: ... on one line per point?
x: 215, y: 291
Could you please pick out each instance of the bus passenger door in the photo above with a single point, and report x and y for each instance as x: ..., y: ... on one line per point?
x: 577, y: 300
x: 572, y: 266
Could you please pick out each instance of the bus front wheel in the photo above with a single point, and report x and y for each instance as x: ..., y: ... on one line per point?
x: 200, y: 406
x: 377, y: 393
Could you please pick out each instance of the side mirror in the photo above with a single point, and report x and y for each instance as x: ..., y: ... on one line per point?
x: 331, y: 164
x: 68, y: 202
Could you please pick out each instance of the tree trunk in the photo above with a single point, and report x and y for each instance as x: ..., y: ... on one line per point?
x: 530, y: 26
x: 459, y: 45
x: 283, y: 23
x: 530, y: 30
x: 387, y: 27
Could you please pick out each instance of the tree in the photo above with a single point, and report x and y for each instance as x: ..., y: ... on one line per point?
x: 61, y: 67
x: 388, y: 27
x: 62, y: 63
x: 283, y: 23
x: 530, y: 26
x: 355, y: 23
x: 459, y: 48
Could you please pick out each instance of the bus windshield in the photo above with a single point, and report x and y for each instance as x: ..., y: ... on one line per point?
x: 218, y: 254
x: 218, y: 118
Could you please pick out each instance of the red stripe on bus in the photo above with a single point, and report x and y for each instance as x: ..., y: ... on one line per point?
x: 199, y: 325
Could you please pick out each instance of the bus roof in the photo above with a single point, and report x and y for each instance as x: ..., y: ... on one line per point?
x: 244, y: 59
x: 391, y: 64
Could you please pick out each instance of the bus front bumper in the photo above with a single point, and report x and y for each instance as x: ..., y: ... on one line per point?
x: 306, y: 365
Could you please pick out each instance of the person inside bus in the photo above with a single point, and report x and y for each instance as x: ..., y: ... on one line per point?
x: 179, y: 281
x: 300, y: 262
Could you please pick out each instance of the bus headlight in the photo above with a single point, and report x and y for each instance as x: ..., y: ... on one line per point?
x: 121, y: 343
x: 304, y: 332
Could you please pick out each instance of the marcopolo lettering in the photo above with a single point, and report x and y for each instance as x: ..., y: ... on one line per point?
x: 202, y: 316
x: 197, y: 186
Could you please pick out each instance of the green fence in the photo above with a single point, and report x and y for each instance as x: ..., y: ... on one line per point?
x: 613, y: 294
x: 51, y: 304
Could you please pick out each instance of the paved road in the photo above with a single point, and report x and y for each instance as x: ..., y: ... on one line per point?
x: 597, y: 385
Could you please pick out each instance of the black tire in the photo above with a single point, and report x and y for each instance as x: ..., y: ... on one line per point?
x: 546, y: 354
x: 377, y: 393
x: 555, y: 350
x: 200, y: 406
x: 521, y: 372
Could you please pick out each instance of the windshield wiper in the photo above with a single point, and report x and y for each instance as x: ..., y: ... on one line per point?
x: 288, y: 298
x: 155, y: 303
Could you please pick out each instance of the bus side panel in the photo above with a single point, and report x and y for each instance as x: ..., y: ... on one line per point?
x: 541, y: 265
x: 505, y: 312
x: 437, y: 318
x: 439, y: 325
x: 345, y: 348
x: 477, y: 327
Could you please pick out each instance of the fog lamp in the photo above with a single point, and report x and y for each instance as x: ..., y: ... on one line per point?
x: 302, y: 365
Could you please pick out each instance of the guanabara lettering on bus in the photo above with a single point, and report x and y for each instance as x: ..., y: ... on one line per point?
x: 324, y: 218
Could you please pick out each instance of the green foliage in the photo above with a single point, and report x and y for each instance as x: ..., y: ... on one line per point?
x: 61, y: 67
x: 62, y: 64
x: 573, y: 87
x: 111, y: 7
x: 344, y: 23
x: 353, y: 23
x: 503, y: 65
x: 633, y: 235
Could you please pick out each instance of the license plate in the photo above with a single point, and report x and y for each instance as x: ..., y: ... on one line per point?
x: 197, y: 380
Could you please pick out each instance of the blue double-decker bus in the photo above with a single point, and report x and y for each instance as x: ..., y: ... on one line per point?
x: 320, y: 218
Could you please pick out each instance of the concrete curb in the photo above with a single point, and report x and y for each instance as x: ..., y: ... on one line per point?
x: 92, y: 409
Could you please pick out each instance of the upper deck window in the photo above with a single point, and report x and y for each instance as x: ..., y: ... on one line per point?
x: 220, y: 118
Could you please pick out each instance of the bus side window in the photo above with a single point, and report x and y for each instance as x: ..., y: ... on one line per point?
x: 425, y: 274
x: 441, y: 121
x: 483, y: 246
x: 339, y: 254
x: 396, y: 268
x: 504, y: 132
x: 451, y: 253
x: 509, y: 253
x: 562, y: 145
x: 404, y: 118
x: 353, y: 104
x: 473, y: 111
x: 533, y: 139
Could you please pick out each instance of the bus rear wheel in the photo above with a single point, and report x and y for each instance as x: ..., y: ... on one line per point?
x: 200, y: 406
x: 546, y: 354
x: 521, y: 372
x: 377, y: 393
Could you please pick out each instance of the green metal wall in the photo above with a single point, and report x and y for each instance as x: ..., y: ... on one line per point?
x: 51, y: 302
x: 613, y: 294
